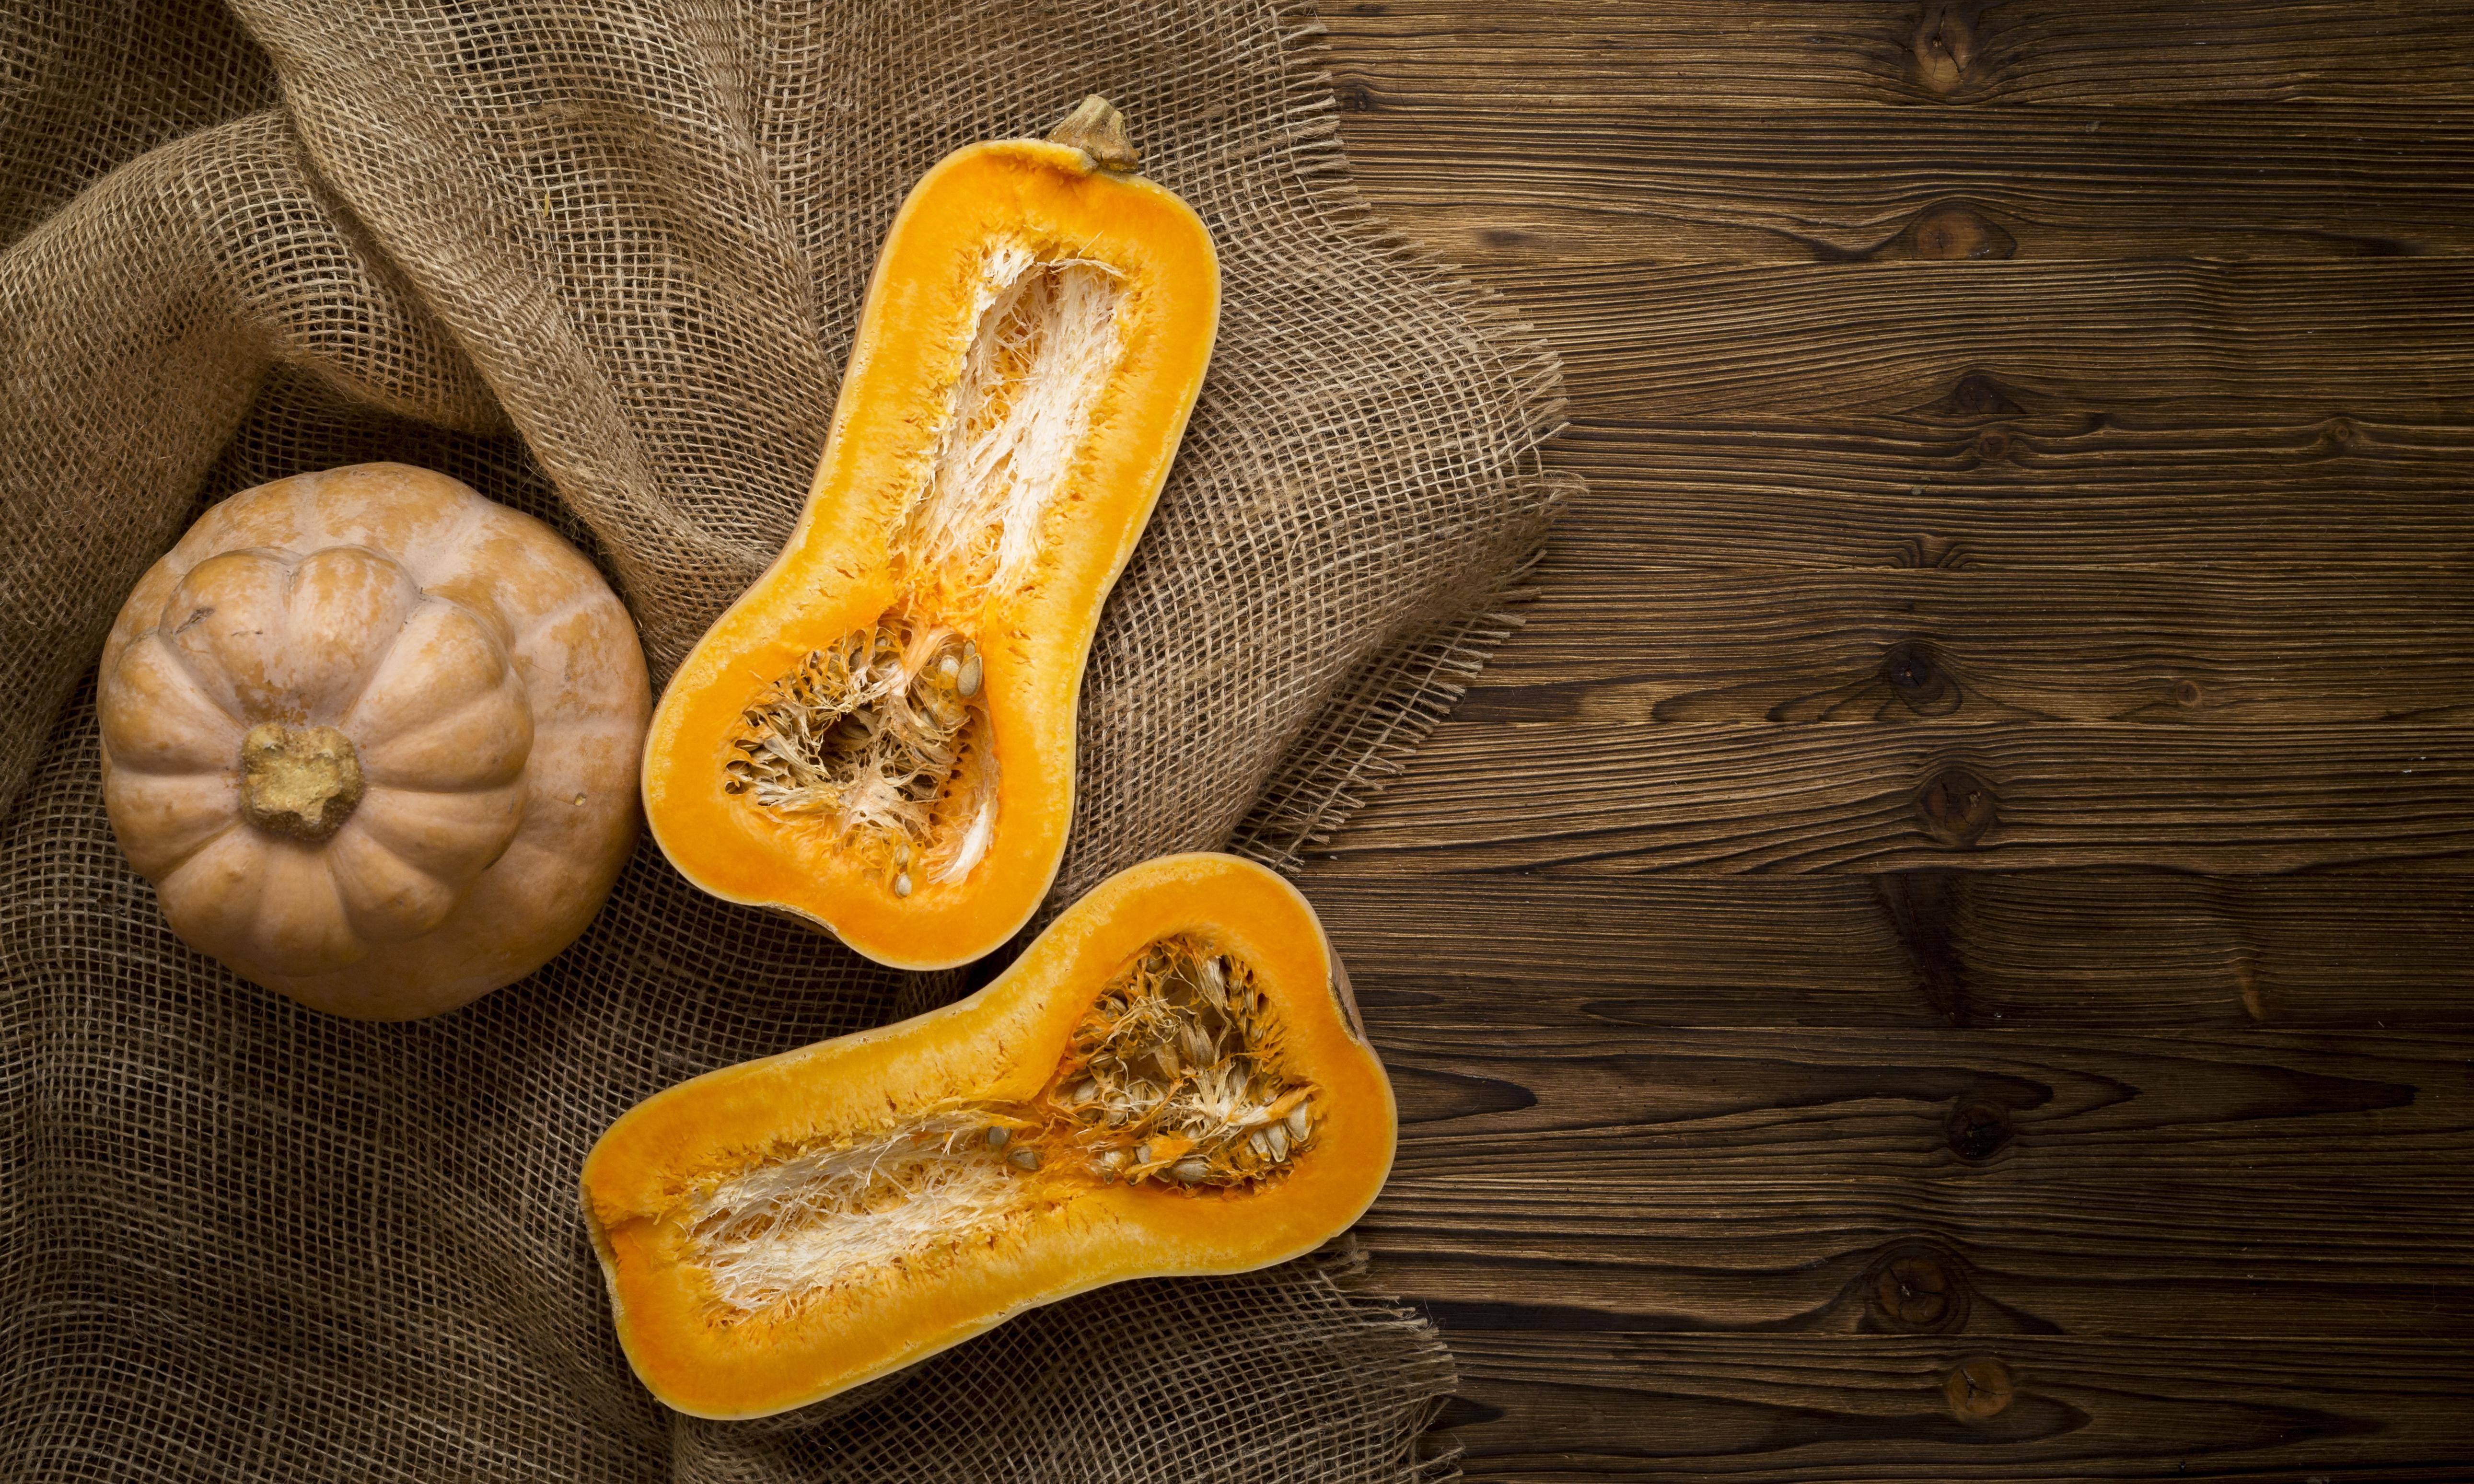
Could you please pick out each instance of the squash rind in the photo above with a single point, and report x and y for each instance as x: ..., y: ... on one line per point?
x: 834, y: 575
x: 493, y: 822
x: 1001, y: 1043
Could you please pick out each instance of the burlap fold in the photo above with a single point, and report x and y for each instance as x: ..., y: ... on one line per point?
x: 603, y: 262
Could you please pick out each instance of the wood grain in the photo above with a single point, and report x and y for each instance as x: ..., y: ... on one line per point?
x: 2374, y: 337
x: 1960, y: 646
x: 1630, y: 956
x: 1513, y: 186
x: 1976, y: 479
x: 2041, y: 1181
x: 1613, y: 797
x: 1853, y: 1257
x: 1624, y: 55
x: 1536, y: 1103
x: 1772, y: 1409
x: 1940, y: 948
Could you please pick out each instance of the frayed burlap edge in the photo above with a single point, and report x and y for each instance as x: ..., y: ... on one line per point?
x: 1378, y: 720
x: 1366, y: 734
x: 1345, y: 1264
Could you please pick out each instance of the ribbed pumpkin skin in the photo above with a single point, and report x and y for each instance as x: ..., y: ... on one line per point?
x: 485, y: 680
x: 1069, y: 1229
x: 865, y: 550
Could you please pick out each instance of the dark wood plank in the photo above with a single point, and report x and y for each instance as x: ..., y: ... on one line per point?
x: 1975, y: 647
x: 2275, y: 341
x: 1791, y: 1409
x: 1625, y: 54
x: 1616, y: 796
x: 1953, y: 382
x: 1507, y: 184
x: 1637, y: 951
x: 1539, y: 1101
x: 1848, y: 1257
x: 1630, y: 957
x: 2077, y: 646
x: 1984, y: 476
x: 2025, y: 1181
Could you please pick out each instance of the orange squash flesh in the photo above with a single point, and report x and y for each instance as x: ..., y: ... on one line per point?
x: 960, y: 1233
x: 1033, y: 344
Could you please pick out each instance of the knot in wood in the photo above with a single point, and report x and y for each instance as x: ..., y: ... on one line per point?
x: 1955, y: 808
x: 2341, y: 433
x: 1977, y: 1130
x: 1992, y: 446
x: 1977, y: 396
x: 1930, y: 552
x: 2255, y: 1002
x: 1913, y: 1291
x: 1957, y: 234
x: 1910, y: 668
x: 1979, y: 1388
x: 1944, y: 48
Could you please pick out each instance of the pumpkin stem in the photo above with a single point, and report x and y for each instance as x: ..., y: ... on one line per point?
x: 1098, y: 130
x: 299, y: 782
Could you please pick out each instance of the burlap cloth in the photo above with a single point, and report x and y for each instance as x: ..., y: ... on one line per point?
x: 602, y: 260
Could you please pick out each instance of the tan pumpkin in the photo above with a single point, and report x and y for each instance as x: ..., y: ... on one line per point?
x: 374, y: 739
x: 877, y: 736
x: 1171, y: 1079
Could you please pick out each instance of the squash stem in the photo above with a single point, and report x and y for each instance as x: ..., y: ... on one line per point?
x: 1098, y: 130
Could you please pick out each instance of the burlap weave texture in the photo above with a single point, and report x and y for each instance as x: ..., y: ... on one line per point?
x: 604, y: 260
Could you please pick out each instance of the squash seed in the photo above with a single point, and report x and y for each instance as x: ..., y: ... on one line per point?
x: 1183, y: 1044
x: 871, y: 739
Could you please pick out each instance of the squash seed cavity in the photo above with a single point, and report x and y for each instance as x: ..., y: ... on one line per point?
x: 1174, y: 1075
x: 884, y: 738
x: 1172, y: 1082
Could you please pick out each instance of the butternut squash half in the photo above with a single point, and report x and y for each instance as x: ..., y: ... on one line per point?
x: 879, y: 735
x: 1171, y: 1079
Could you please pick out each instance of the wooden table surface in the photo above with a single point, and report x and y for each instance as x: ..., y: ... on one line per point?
x: 1942, y: 949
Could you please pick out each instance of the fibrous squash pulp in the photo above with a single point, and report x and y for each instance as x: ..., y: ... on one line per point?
x: 1171, y: 1079
x: 879, y: 735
